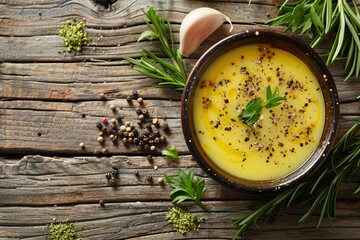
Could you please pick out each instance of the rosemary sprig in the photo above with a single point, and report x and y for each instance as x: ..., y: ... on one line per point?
x: 251, y: 114
x: 320, y: 190
x: 318, y: 19
x: 187, y: 187
x: 170, y: 72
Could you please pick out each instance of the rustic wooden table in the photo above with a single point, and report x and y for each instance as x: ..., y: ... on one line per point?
x: 50, y: 103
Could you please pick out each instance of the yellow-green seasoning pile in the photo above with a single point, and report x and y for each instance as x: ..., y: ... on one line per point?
x: 74, y: 35
x: 183, y: 221
x: 63, y: 231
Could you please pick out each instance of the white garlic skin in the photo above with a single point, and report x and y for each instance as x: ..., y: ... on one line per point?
x: 197, y: 26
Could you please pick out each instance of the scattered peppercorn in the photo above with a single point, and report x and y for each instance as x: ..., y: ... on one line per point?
x: 165, y: 127
x: 113, y: 107
x: 119, y: 119
x: 99, y: 125
x: 104, y: 151
x: 155, y: 121
x: 135, y: 94
x: 146, y: 136
x: 101, y: 203
x: 82, y: 145
x: 96, y: 152
x: 102, y: 95
x: 139, y: 100
x: 150, y: 158
x: 149, y: 178
x: 160, y: 180
x: 112, y: 176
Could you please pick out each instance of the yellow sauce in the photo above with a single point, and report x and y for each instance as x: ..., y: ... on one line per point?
x: 283, y: 138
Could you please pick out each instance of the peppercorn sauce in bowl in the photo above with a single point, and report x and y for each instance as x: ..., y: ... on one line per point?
x: 260, y: 111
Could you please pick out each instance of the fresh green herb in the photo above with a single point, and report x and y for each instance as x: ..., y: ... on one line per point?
x: 63, y: 231
x: 324, y: 17
x: 171, y: 72
x: 187, y: 187
x: 74, y: 35
x: 251, y: 114
x: 320, y: 190
x: 170, y: 153
x: 183, y: 221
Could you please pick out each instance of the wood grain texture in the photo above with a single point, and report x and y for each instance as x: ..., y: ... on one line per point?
x: 72, y: 187
x: 50, y: 102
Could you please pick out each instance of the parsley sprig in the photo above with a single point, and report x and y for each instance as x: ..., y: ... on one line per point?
x: 170, y: 72
x: 318, y: 19
x: 320, y: 191
x: 187, y: 187
x: 170, y: 153
x: 251, y: 114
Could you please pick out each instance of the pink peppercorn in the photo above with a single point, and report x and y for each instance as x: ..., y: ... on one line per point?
x: 105, y: 120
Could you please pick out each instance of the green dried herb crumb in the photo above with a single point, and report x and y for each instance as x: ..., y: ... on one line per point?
x: 74, y: 35
x: 183, y: 221
x: 63, y: 231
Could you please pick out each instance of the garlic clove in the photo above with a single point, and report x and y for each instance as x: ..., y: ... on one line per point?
x: 197, y: 26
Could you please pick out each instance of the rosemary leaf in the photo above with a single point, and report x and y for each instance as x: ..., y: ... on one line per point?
x: 320, y: 190
x: 170, y: 72
x: 325, y: 17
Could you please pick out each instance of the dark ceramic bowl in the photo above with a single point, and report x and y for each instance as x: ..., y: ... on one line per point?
x: 300, y: 49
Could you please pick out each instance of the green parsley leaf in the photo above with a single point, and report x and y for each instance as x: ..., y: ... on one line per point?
x: 251, y: 114
x: 170, y: 153
x: 187, y: 187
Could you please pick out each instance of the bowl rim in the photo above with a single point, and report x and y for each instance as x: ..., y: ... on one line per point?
x: 328, y: 85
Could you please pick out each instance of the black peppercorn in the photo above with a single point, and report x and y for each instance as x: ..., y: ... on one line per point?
x: 150, y: 158
x: 165, y: 127
x: 108, y: 176
x: 102, y: 203
x: 162, y: 139
x: 145, y: 112
x: 137, y: 174
x: 99, y: 125
x: 149, y: 178
x: 135, y: 94
x: 129, y: 98
x: 119, y: 119
x: 138, y: 111
x: 112, y: 182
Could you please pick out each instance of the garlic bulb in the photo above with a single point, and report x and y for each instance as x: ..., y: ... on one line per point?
x: 197, y: 26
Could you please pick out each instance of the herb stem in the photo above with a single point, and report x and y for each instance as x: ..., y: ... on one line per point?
x: 171, y: 72
x: 321, y: 189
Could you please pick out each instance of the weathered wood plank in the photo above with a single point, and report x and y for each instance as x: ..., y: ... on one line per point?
x: 146, y: 220
x: 59, y: 127
x: 87, y: 80
x: 50, y: 103
x: 82, y: 180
